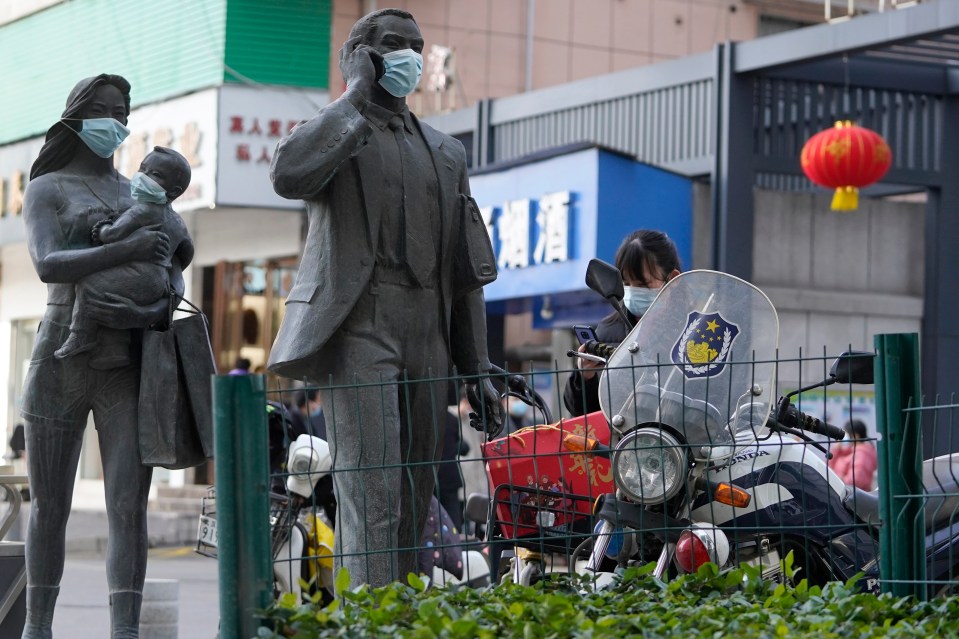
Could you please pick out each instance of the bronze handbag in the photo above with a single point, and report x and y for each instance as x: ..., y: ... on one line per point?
x: 176, y: 393
x: 474, y: 263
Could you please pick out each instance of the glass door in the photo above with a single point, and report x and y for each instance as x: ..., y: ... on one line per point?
x: 248, y: 306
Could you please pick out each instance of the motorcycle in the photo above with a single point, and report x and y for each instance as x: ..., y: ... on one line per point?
x: 302, y: 516
x: 708, y: 466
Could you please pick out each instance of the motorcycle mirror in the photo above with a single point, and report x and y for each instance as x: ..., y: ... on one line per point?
x: 605, y: 279
x: 853, y: 367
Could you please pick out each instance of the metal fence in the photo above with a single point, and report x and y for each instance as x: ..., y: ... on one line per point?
x: 550, y: 487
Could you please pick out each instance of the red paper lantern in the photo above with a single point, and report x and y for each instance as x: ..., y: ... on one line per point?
x: 846, y: 158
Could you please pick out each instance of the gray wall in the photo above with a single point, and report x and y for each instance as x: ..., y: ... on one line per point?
x: 837, y: 278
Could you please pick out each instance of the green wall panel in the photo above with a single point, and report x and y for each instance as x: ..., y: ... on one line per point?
x: 279, y: 42
x: 163, y: 47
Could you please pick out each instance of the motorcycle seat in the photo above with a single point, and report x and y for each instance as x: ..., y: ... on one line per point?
x: 940, y: 478
x: 863, y: 504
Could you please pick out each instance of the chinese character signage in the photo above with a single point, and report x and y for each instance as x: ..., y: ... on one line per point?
x: 252, y: 121
x: 526, y: 231
x: 547, y: 218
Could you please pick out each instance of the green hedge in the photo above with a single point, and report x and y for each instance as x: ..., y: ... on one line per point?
x: 708, y: 604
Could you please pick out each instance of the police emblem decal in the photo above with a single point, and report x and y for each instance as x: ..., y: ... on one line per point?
x: 703, y: 348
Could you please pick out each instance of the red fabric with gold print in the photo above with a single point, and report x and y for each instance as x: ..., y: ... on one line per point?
x: 541, y: 484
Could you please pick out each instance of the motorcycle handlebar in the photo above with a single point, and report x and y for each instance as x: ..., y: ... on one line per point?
x: 792, y: 417
x: 599, y: 349
x: 517, y: 386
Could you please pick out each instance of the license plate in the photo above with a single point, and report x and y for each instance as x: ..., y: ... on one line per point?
x: 206, y: 533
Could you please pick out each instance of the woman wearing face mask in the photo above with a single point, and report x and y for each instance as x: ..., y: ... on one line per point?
x: 73, y: 186
x: 647, y: 259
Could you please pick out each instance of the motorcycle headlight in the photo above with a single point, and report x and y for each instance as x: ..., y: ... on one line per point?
x: 649, y: 465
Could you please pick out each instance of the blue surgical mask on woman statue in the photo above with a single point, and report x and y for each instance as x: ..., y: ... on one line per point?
x: 143, y: 188
x: 637, y: 299
x: 403, y: 70
x: 103, y: 135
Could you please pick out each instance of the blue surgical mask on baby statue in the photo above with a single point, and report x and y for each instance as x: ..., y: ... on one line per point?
x: 403, y: 70
x: 637, y: 299
x: 143, y: 188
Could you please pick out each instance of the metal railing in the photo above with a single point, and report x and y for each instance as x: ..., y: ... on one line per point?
x: 546, y: 493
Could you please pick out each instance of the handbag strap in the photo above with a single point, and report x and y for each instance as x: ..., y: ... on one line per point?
x: 175, y: 306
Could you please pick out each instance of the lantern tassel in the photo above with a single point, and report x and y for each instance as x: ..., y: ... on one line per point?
x: 846, y: 198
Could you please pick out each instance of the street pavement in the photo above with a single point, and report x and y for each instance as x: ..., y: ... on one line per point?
x: 83, y: 607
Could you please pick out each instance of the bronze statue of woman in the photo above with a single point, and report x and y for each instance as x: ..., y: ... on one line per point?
x: 73, y: 186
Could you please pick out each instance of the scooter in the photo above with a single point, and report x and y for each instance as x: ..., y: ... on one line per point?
x: 709, y: 467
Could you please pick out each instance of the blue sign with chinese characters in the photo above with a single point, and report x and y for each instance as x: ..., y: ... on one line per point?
x: 548, y: 217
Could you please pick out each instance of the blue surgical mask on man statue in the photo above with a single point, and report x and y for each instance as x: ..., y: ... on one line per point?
x: 403, y: 70
x: 103, y: 135
x: 637, y: 299
x: 143, y: 188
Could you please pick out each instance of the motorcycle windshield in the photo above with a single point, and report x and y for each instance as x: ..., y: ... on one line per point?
x: 701, y: 362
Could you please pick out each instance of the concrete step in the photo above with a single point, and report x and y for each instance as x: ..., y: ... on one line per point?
x: 187, y: 491
x: 87, y: 530
x: 188, y: 505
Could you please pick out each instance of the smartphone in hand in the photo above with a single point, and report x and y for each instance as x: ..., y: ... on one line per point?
x: 584, y: 334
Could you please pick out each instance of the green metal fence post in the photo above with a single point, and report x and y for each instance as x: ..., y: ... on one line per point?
x: 242, y: 501
x: 902, y: 536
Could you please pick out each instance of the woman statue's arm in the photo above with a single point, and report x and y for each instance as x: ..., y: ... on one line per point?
x: 45, y: 240
x: 117, y: 311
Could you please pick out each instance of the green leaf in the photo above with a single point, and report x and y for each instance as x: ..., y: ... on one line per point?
x: 417, y: 584
x: 342, y: 581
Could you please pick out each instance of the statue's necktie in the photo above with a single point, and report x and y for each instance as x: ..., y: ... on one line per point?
x: 419, y: 251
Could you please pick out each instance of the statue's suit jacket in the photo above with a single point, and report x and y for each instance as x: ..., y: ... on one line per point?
x: 333, y: 163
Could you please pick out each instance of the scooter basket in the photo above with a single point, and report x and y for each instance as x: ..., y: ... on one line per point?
x: 543, y: 485
x: 541, y: 510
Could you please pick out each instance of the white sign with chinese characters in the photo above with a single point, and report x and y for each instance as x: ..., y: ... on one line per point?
x: 187, y: 125
x: 252, y: 120
x: 526, y: 232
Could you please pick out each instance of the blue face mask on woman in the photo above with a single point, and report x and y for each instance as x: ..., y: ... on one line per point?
x: 637, y: 299
x: 103, y: 135
x: 403, y: 70
x: 518, y: 409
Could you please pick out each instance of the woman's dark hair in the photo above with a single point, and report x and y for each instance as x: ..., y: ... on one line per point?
x: 646, y: 251
x: 856, y: 428
x: 62, y: 140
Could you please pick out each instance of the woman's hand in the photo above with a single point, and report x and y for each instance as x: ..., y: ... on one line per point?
x: 587, y: 368
x: 148, y: 244
x: 117, y: 311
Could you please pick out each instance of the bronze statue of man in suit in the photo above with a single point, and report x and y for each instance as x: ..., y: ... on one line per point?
x: 376, y: 307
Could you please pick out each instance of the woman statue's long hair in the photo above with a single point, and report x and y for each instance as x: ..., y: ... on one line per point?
x: 62, y: 140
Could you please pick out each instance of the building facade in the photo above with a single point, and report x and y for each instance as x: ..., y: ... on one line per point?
x: 221, y: 82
